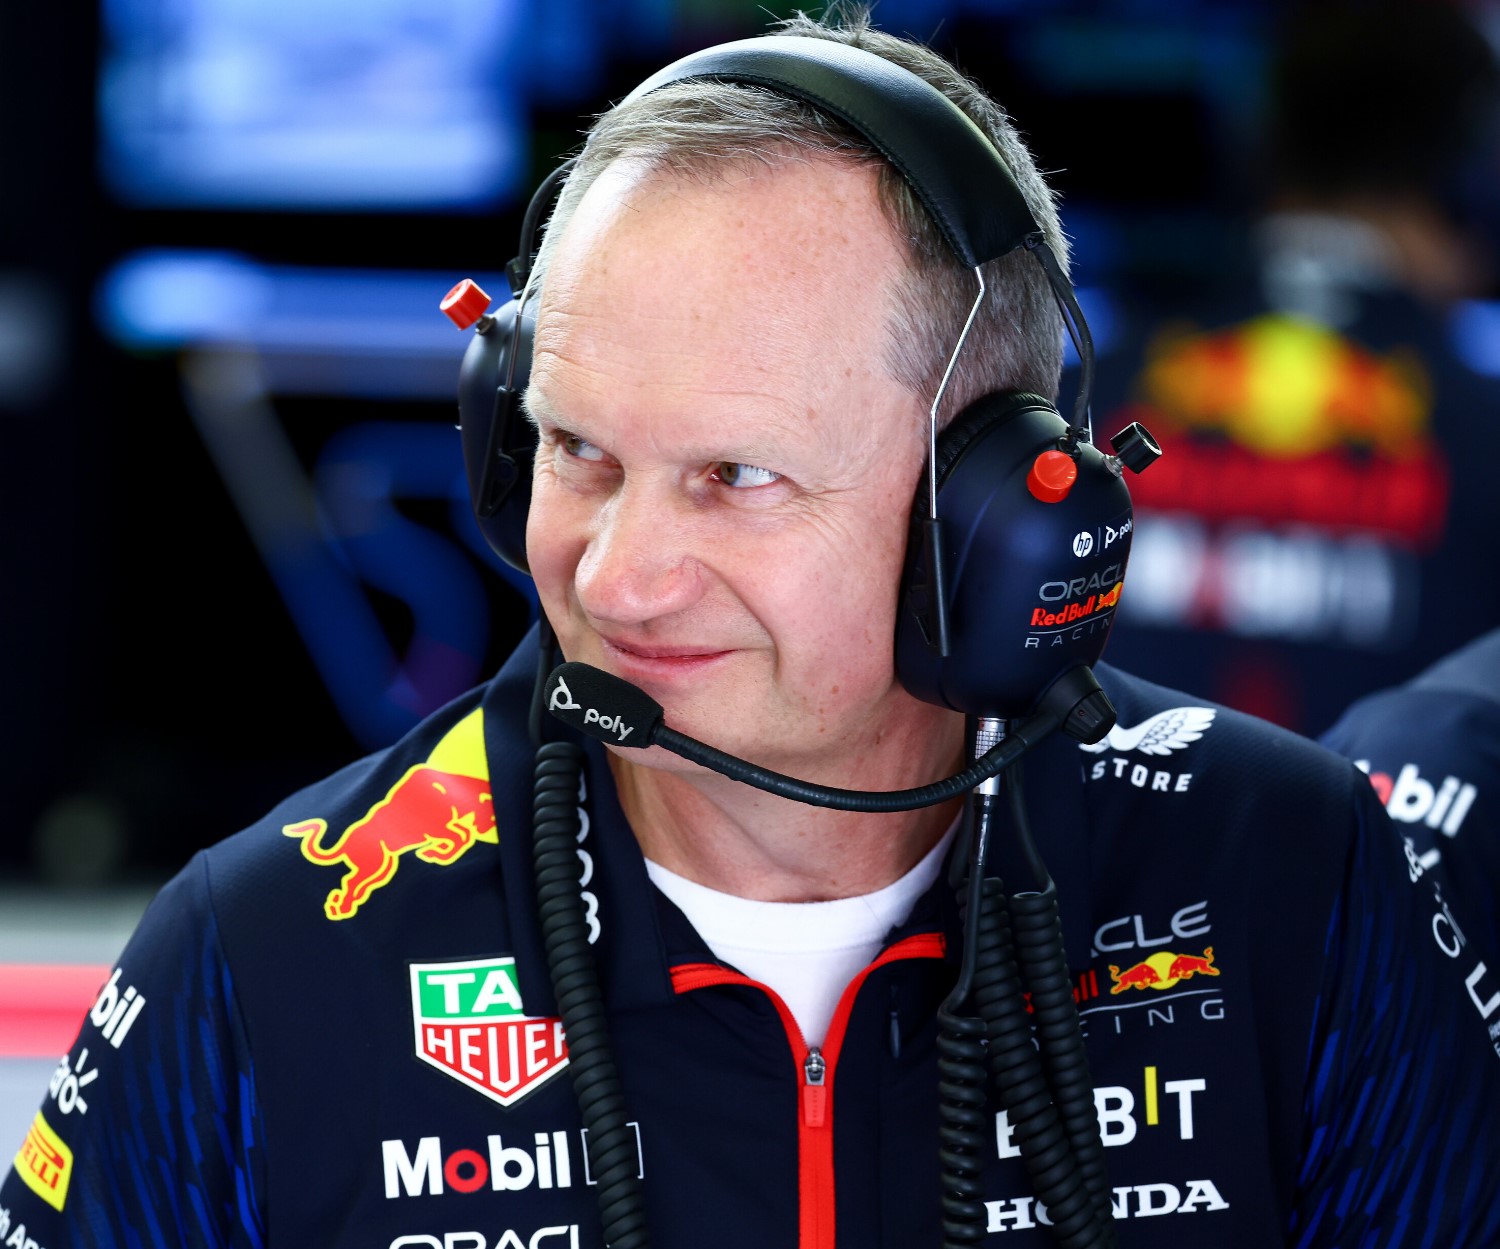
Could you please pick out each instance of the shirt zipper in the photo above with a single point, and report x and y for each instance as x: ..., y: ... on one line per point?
x: 815, y: 1071
x: 814, y: 1091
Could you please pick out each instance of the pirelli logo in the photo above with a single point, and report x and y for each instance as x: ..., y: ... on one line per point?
x: 45, y: 1163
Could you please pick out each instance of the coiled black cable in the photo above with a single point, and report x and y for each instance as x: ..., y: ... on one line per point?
x: 963, y: 1126
x: 963, y: 1095
x: 1019, y: 1076
x: 999, y: 1052
x: 1034, y: 1057
x: 612, y: 1146
x: 1084, y: 1199
x: 1037, y: 926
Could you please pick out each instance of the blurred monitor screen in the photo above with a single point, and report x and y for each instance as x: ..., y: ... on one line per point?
x: 312, y: 104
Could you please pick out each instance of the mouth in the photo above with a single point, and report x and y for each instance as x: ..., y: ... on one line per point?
x: 648, y: 660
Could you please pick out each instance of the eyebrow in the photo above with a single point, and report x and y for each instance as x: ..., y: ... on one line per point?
x: 762, y: 451
x: 538, y: 408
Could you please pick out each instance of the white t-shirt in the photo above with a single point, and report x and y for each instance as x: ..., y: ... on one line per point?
x: 807, y: 952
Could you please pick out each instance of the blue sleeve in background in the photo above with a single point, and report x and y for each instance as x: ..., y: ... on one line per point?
x: 149, y: 1132
x: 1432, y: 753
x: 1403, y: 1092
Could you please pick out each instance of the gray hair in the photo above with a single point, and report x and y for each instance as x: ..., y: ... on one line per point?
x: 696, y: 129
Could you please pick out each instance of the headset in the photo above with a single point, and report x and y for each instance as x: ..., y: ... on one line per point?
x: 1020, y: 536
x: 1017, y: 507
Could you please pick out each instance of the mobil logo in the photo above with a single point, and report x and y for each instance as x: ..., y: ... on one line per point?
x: 1412, y: 799
x: 470, y: 1024
x: 548, y: 1163
x: 114, y: 1013
x: 551, y: 1160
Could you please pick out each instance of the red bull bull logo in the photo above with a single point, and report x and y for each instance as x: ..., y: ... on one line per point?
x: 1285, y: 422
x: 1162, y: 970
x: 1284, y: 387
x: 438, y: 809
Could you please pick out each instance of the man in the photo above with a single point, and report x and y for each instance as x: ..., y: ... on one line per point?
x: 1431, y: 748
x: 736, y: 344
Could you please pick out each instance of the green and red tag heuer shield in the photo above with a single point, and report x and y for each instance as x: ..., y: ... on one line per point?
x: 470, y: 1024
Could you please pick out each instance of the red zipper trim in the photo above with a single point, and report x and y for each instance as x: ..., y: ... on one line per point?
x: 815, y: 1192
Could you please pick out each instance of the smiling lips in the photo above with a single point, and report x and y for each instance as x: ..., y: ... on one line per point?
x: 642, y: 659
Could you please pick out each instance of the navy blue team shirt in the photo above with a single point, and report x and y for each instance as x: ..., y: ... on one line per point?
x: 1431, y: 748
x: 336, y: 1029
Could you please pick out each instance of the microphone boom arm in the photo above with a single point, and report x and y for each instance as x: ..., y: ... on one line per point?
x: 1024, y: 734
x: 612, y: 710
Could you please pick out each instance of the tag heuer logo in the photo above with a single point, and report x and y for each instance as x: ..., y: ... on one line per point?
x: 470, y: 1024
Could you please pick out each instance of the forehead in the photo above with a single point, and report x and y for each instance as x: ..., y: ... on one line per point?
x: 789, y: 226
x: 770, y: 287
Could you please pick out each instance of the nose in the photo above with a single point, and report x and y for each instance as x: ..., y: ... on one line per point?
x: 640, y: 564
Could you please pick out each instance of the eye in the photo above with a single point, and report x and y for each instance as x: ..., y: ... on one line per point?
x: 580, y: 448
x: 744, y: 476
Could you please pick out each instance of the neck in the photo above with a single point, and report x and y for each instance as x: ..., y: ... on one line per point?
x: 741, y: 841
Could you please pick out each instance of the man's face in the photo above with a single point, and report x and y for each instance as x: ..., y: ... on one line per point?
x: 726, y: 472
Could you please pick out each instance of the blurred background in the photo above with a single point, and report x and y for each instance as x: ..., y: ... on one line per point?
x: 234, y: 537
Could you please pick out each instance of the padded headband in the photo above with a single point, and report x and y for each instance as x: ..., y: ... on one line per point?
x: 961, y: 179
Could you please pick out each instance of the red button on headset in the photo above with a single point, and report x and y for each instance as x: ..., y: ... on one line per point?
x: 1052, y: 476
x: 465, y: 303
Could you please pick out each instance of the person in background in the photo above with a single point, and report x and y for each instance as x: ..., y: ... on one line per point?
x: 1431, y: 748
x: 1323, y: 520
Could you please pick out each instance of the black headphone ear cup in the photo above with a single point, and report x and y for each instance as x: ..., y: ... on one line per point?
x: 499, y: 442
x: 1031, y: 584
x: 969, y: 424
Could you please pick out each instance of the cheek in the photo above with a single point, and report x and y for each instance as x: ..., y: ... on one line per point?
x: 831, y: 605
x: 554, y: 541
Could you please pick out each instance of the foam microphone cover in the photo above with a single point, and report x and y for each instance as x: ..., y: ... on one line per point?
x: 602, y: 705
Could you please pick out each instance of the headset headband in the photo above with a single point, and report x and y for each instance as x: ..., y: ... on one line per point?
x: 953, y: 168
x: 961, y: 179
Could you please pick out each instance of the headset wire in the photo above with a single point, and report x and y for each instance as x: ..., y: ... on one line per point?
x: 556, y: 825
